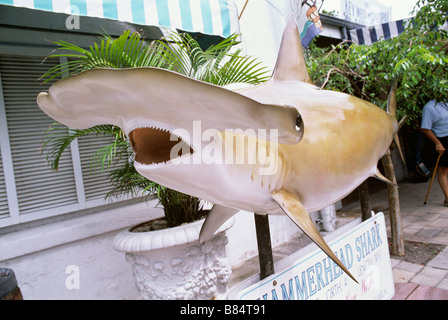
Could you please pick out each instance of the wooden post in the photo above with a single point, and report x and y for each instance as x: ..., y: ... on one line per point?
x: 364, y: 199
x: 265, y: 257
x: 397, y: 247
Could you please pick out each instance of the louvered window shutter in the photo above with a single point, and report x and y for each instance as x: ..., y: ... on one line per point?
x: 96, y: 181
x: 38, y: 187
x: 39, y: 191
x: 4, y: 210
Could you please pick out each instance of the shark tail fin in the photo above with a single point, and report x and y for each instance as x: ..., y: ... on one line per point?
x: 299, y: 215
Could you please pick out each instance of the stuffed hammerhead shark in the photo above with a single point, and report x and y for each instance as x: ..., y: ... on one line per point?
x: 303, y: 148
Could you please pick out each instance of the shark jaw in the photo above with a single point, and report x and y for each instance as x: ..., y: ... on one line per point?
x: 154, y: 146
x: 158, y: 144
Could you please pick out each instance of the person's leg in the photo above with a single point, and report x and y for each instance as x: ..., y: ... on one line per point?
x: 442, y: 173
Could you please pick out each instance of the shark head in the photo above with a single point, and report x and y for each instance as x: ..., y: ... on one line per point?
x: 157, y: 109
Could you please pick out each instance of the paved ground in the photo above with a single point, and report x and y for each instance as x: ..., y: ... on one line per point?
x: 426, y: 226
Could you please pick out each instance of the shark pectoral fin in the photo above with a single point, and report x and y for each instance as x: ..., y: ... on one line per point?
x: 381, y: 177
x: 215, y: 219
x: 299, y: 215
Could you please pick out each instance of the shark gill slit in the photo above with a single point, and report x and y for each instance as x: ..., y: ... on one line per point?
x: 154, y: 145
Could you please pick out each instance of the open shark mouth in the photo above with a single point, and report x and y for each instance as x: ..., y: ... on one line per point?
x: 153, y: 145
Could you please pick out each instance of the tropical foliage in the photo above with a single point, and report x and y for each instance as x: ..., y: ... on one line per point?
x: 418, y: 59
x: 220, y: 64
x: 177, y: 52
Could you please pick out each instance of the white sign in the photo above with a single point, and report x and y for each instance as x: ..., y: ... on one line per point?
x: 363, y: 250
x: 365, y: 12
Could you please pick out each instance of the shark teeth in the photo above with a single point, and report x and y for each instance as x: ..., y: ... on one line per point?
x: 155, y: 145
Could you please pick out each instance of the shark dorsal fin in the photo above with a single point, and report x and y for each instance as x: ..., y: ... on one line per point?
x: 290, y: 61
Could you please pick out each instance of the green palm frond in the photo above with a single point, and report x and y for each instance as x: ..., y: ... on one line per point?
x: 118, y: 149
x: 127, y: 51
x: 241, y: 69
x: 126, y: 180
x: 58, y: 138
x: 217, y: 64
x: 177, y: 52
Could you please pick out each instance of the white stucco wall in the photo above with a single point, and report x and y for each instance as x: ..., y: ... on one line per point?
x: 74, y: 259
x: 82, y: 246
x: 261, y: 29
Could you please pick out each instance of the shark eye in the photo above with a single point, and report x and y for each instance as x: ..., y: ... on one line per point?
x: 299, y: 123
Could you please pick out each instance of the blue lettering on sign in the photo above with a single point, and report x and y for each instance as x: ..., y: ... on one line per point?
x: 307, y: 283
x: 302, y: 293
x: 288, y: 294
x: 328, y: 270
x: 367, y: 242
x: 313, y: 279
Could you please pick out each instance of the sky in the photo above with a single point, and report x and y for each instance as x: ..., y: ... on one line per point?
x: 400, y: 8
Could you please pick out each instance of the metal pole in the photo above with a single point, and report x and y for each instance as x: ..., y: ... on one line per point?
x: 364, y: 199
x: 264, y: 245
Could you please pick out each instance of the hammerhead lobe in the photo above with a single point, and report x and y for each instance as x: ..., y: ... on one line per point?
x: 304, y: 148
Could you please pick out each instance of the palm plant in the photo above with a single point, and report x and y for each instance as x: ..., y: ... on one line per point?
x: 177, y: 52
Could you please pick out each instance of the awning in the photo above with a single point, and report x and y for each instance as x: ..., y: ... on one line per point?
x: 214, y: 17
x: 369, y: 35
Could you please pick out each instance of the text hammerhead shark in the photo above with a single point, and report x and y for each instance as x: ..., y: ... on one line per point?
x: 320, y: 144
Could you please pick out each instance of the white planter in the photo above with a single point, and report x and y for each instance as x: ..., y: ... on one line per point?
x: 171, y: 264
